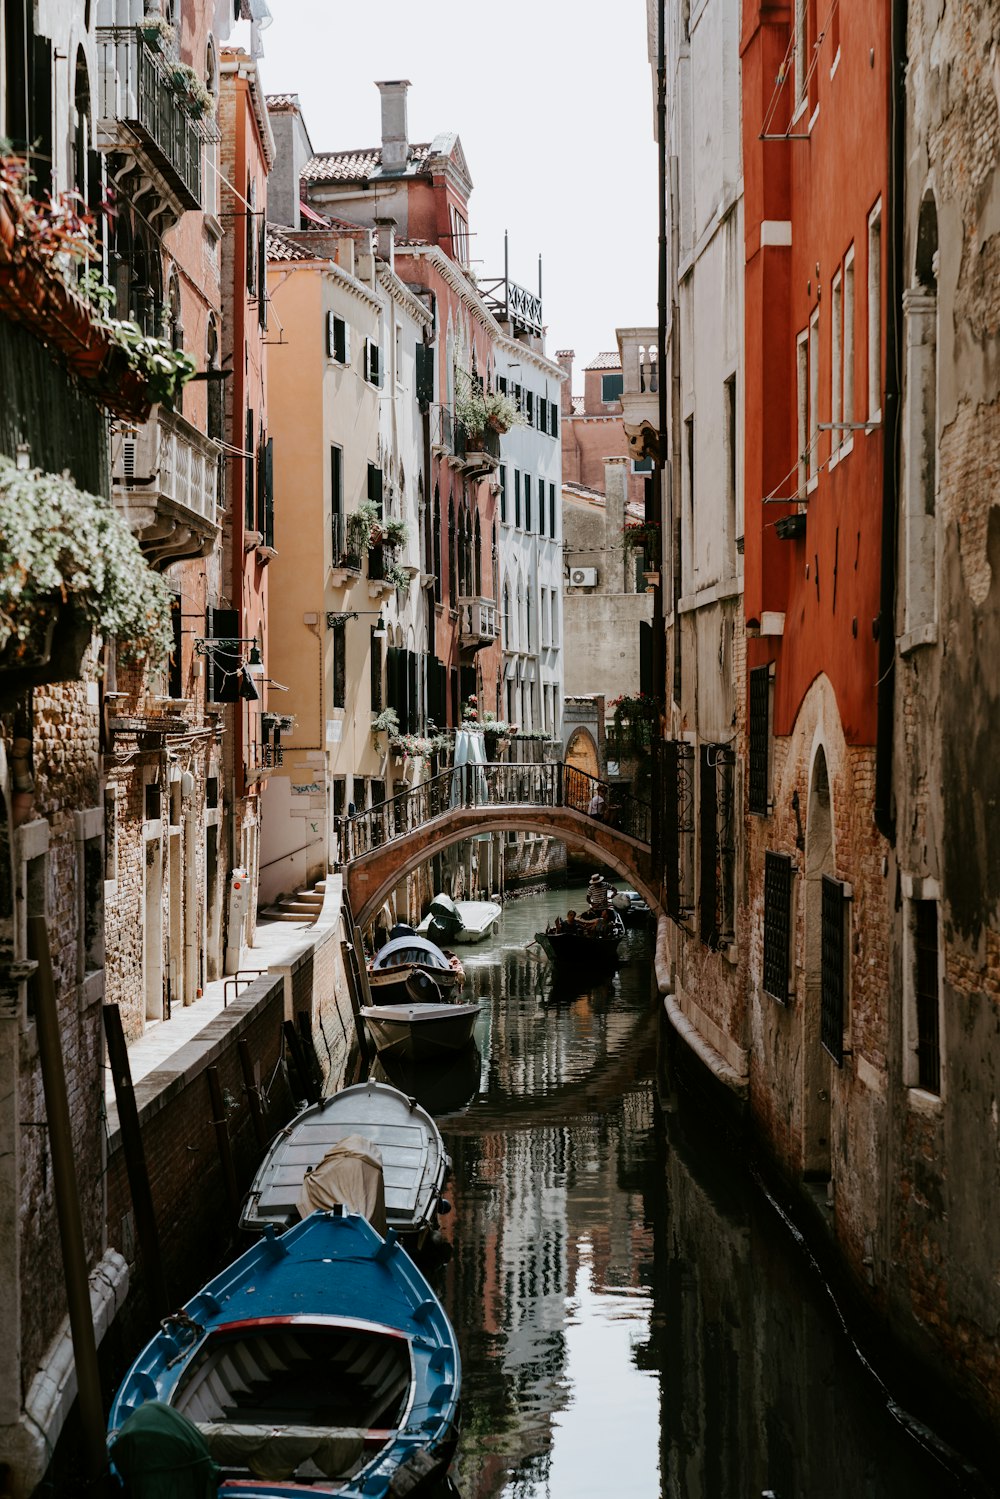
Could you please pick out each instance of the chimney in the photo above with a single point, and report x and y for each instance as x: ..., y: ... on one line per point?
x: 395, y: 146
x: 565, y: 358
x: 385, y: 241
x: 615, y: 495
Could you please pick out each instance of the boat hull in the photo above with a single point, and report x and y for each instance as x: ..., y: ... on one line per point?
x: 415, y: 1163
x: 565, y: 950
x: 388, y: 987
x: 416, y: 1032
x: 479, y: 919
x: 322, y: 1349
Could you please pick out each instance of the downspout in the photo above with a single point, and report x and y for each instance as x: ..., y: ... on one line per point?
x: 675, y: 413
x: 884, y: 814
x: 658, y: 653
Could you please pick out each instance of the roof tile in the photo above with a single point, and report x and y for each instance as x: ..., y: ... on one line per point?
x: 356, y: 166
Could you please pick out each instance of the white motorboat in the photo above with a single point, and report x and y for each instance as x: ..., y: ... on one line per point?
x: 415, y: 1163
x: 420, y: 1032
x: 460, y: 920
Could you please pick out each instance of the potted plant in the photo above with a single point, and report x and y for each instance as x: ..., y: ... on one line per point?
x: 397, y: 575
x: 189, y: 88
x: 157, y: 31
x: 385, y: 722
x: 502, y: 411
x: 70, y: 566
x: 395, y: 532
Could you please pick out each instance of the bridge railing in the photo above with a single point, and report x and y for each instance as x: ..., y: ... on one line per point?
x: 491, y: 785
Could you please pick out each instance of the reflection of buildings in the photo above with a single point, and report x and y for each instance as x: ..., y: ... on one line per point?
x: 762, y: 1392
x: 526, y: 1199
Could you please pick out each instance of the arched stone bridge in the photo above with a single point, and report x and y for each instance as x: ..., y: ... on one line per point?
x: 381, y: 846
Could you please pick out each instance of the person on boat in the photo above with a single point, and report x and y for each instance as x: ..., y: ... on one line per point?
x: 597, y: 893
x: 570, y: 920
x: 558, y: 924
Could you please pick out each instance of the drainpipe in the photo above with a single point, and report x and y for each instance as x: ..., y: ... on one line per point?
x: 658, y: 653
x: 675, y: 413
x: 884, y: 815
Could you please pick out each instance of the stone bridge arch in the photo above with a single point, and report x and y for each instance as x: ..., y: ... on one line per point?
x: 371, y: 877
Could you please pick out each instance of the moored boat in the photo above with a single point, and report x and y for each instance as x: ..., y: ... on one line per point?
x: 415, y: 1163
x: 319, y: 1361
x: 394, y: 964
x: 460, y: 920
x: 420, y: 1032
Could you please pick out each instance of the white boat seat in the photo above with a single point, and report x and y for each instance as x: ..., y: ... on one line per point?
x: 276, y: 1452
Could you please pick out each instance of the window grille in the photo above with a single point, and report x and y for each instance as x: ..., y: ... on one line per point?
x: 833, y: 953
x: 708, y: 894
x: 926, y: 993
x: 676, y: 822
x: 340, y: 663
x: 717, y: 844
x: 760, y: 729
x: 777, y: 924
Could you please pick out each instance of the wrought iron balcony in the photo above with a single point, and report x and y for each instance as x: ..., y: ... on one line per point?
x: 348, y: 543
x: 442, y: 429
x: 477, y: 622
x: 166, y: 481
x: 513, y: 304
x: 475, y: 455
x: 145, y: 116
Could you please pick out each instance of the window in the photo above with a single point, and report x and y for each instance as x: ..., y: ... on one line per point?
x: 554, y: 418
x: 373, y: 362
x: 833, y: 953
x: 437, y: 546
x: 759, y: 800
x: 717, y: 851
x: 338, y: 339
x: 689, y: 455
x: 922, y: 987
x: 338, y: 530
x: 836, y: 363
x: 340, y: 663
x: 729, y: 413
x: 543, y: 414
x: 552, y: 511
x: 506, y: 617
x: 251, y: 238
x: 800, y: 52
x: 541, y: 507
x: 920, y: 472
x: 376, y: 677
x: 875, y: 313
x: 110, y: 834
x: 375, y: 485
x: 399, y: 356
x: 517, y: 498
x: 802, y: 407
x: 777, y: 925
x: 529, y: 407
x: 503, y: 495
x: 814, y: 396
x: 848, y: 394
x: 642, y: 465
x: 248, y: 492
x: 527, y: 502
x: 611, y: 388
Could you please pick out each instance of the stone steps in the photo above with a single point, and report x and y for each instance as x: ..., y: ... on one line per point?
x: 302, y: 906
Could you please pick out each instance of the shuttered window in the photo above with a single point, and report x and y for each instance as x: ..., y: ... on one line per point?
x: 708, y: 867
x: 517, y: 497
x: 832, y: 969
x: 337, y: 339
x: 375, y: 485
x: 376, y: 672
x: 777, y: 924
x: 527, y: 502
x: 248, y: 474
x: 340, y: 663
x: 760, y: 731
x: 373, y: 362
x: 425, y: 374
x: 926, y: 987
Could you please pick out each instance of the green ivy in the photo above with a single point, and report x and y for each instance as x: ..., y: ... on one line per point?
x: 58, y: 543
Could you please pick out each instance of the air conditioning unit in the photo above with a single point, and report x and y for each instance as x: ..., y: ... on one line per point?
x: 583, y: 577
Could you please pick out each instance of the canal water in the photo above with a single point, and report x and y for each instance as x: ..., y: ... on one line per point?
x: 634, y: 1318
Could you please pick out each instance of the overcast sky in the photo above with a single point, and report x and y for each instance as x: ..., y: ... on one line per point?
x: 553, y: 102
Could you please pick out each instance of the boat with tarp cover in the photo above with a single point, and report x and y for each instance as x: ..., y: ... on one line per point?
x: 394, y: 964
x: 460, y: 920
x: 320, y: 1361
x: 414, y: 1161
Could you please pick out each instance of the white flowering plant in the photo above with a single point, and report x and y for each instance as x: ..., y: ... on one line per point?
x: 61, y: 545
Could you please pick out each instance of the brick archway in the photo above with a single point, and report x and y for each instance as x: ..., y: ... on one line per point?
x: 371, y: 878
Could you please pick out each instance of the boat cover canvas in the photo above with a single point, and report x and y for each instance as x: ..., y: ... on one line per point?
x: 406, y: 950
x: 349, y: 1174
x: 160, y: 1454
x: 276, y: 1452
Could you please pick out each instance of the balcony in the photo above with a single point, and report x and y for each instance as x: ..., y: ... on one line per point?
x: 442, y: 430
x: 150, y: 123
x: 165, y: 476
x: 347, y: 552
x: 476, y: 456
x: 477, y: 623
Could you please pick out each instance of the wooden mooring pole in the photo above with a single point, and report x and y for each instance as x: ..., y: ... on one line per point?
x: 64, y: 1184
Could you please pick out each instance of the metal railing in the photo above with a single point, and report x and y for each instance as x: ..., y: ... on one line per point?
x: 138, y: 90
x: 168, y: 457
x: 542, y: 784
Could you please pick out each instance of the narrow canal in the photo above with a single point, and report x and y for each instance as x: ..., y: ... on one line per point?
x: 633, y: 1316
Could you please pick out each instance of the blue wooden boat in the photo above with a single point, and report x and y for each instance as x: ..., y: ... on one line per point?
x: 320, y: 1362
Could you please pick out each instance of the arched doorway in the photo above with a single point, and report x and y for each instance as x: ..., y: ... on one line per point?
x: 817, y: 1064
x: 581, y: 752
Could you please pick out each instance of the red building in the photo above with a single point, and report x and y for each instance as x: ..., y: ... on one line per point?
x: 816, y: 154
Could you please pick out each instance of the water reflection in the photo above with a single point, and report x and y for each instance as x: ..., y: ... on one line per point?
x: 632, y: 1316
